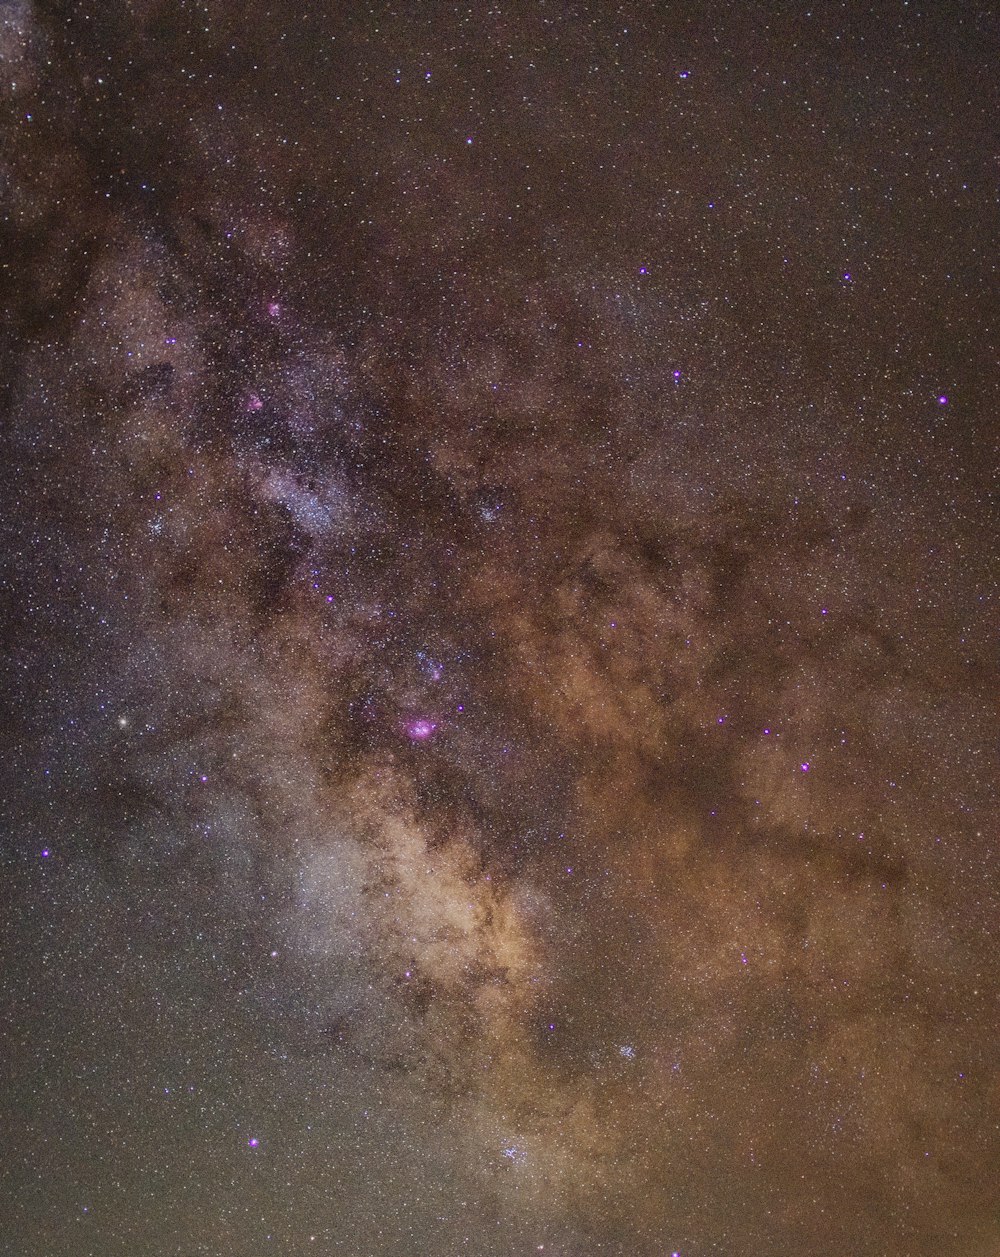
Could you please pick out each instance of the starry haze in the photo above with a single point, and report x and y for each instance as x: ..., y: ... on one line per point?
x: 498, y: 629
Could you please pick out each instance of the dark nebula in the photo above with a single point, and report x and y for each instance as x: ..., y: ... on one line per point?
x: 498, y: 571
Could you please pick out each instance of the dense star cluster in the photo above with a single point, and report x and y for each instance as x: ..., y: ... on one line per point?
x: 499, y: 728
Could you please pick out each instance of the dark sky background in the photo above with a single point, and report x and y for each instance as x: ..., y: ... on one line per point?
x: 499, y: 729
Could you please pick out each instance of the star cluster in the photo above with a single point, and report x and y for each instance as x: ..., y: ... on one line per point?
x: 497, y: 574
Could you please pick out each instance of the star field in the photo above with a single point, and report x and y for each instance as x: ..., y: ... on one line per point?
x: 498, y: 604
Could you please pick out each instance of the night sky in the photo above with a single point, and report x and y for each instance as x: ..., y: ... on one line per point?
x: 499, y: 693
